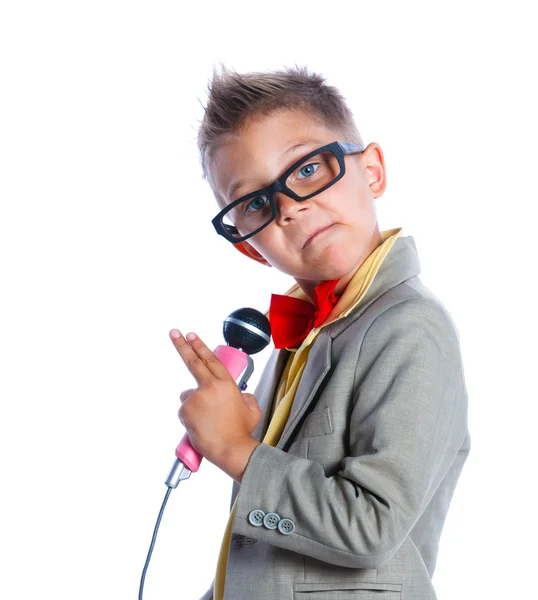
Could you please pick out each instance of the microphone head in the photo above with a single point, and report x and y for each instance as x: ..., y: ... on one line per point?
x: 247, y: 329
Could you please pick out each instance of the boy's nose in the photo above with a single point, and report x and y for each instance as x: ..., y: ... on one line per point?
x: 288, y: 208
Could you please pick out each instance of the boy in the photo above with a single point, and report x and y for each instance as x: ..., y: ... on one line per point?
x: 346, y: 457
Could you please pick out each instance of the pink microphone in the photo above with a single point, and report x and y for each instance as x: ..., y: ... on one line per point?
x: 246, y: 331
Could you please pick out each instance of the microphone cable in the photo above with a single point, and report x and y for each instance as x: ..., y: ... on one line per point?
x: 143, y: 578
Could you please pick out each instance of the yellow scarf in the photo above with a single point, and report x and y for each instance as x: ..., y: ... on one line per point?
x: 291, y: 376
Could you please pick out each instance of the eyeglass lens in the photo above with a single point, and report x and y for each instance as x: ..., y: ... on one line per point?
x: 307, y: 179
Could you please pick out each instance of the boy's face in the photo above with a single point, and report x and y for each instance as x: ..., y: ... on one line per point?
x: 326, y: 237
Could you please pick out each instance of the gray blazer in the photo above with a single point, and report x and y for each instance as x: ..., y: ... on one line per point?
x: 352, y: 501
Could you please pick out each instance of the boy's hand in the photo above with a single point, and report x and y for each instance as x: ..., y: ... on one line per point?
x: 217, y: 416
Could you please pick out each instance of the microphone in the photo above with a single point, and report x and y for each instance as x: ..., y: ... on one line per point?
x: 246, y: 331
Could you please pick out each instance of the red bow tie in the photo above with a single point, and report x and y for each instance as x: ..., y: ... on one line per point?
x: 292, y: 319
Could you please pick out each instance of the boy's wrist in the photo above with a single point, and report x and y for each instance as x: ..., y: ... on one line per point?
x: 234, y: 459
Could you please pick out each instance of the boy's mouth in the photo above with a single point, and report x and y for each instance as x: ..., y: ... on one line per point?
x: 313, y: 235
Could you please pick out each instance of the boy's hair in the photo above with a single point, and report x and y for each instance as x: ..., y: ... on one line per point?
x: 235, y: 98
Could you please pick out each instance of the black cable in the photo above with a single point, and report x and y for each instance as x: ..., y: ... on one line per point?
x: 142, y: 579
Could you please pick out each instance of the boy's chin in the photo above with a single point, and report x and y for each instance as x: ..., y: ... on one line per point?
x: 343, y: 272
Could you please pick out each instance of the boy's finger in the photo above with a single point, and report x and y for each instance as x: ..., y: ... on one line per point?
x: 192, y: 361
x: 198, y: 358
x: 209, y: 358
x: 186, y: 394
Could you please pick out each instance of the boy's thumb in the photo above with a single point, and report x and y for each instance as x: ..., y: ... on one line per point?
x: 250, y: 401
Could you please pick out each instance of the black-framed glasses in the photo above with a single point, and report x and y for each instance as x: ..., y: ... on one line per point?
x: 309, y: 176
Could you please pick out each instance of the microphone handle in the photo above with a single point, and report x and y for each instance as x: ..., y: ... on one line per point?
x: 235, y: 361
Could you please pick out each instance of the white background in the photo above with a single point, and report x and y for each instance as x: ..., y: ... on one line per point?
x: 106, y: 244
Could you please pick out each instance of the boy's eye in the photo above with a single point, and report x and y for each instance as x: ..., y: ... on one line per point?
x: 255, y: 204
x: 307, y: 170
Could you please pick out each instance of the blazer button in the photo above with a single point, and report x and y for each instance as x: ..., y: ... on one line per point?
x: 286, y: 526
x: 271, y: 520
x: 256, y: 517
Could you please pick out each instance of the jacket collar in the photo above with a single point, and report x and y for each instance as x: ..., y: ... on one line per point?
x: 400, y: 264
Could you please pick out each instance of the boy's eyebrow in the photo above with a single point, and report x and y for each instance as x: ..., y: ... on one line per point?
x: 295, y: 146
x: 283, y: 156
x: 237, y: 185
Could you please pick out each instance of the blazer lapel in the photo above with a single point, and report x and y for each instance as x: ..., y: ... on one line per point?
x: 317, y: 367
x: 266, y: 389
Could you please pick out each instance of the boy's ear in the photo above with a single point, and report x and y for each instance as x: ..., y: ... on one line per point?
x: 246, y: 249
x: 374, y: 164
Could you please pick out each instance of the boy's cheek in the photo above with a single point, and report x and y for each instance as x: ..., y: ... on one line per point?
x: 251, y: 252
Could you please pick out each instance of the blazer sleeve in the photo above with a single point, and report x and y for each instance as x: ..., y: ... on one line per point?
x: 407, y: 423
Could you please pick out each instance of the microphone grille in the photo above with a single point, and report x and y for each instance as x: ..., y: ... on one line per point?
x: 247, y: 329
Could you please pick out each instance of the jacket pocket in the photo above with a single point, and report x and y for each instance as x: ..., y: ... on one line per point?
x: 316, y: 426
x: 317, y: 423
x: 347, y: 591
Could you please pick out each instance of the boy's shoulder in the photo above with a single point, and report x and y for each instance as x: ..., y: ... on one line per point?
x: 409, y: 311
x: 398, y: 298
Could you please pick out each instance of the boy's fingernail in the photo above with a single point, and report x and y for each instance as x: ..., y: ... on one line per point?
x: 175, y: 334
x: 191, y: 336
